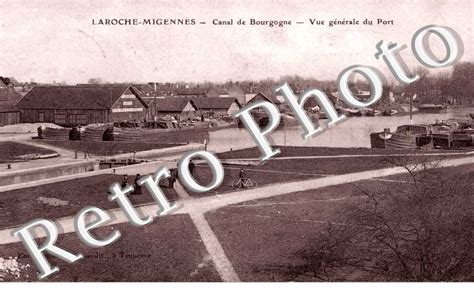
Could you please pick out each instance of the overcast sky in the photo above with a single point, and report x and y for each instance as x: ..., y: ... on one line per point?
x: 55, y: 40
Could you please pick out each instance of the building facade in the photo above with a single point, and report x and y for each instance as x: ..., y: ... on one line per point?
x: 217, y: 106
x: 179, y: 108
x: 82, y: 105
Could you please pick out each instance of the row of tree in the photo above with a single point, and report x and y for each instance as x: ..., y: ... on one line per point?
x: 457, y: 87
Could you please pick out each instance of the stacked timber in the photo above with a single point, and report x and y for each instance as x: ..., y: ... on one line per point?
x: 94, y: 133
x: 58, y: 134
x: 131, y: 135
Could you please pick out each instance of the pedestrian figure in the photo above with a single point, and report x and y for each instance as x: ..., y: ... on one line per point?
x: 191, y: 167
x: 173, y: 177
x: 40, y: 132
x: 124, y: 181
x: 137, y: 187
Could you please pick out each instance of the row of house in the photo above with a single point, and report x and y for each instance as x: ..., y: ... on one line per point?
x: 100, y: 103
x: 103, y: 103
x: 90, y: 104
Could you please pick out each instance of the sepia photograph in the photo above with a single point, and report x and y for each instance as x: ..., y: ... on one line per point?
x: 210, y: 141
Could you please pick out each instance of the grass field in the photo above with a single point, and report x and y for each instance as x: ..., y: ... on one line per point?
x: 285, y: 170
x: 106, y: 148
x: 10, y: 151
x: 62, y: 199
x: 167, y: 250
x: 265, y: 239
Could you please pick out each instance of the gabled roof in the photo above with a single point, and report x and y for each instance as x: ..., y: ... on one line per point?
x: 215, y: 102
x: 269, y: 96
x: 144, y: 89
x: 173, y: 104
x: 75, y: 97
x: 149, y: 99
x: 8, y: 106
x: 8, y: 94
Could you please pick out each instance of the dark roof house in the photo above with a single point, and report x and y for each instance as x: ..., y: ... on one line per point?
x: 207, y: 103
x: 218, y: 105
x: 75, y: 97
x: 175, y: 104
x: 81, y: 105
x: 8, y: 107
x: 182, y: 108
x: 145, y: 90
x: 9, y: 95
x: 277, y: 100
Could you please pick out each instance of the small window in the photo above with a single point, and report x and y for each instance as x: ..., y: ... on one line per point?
x: 78, y: 119
x: 41, y: 117
x: 60, y: 118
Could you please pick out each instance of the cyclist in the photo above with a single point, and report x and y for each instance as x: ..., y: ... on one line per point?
x: 241, y: 173
x: 242, y: 177
x: 243, y: 181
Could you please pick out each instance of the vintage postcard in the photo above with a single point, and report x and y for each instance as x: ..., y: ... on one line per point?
x: 236, y: 141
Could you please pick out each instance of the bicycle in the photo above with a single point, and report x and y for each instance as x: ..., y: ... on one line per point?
x: 243, y: 183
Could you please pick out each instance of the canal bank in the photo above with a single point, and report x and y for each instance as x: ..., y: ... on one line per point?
x: 353, y: 132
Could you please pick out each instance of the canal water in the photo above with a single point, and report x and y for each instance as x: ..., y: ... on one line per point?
x: 353, y: 132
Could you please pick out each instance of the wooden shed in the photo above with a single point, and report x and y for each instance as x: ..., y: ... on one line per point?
x: 217, y: 106
x: 9, y: 114
x: 181, y: 108
x: 82, y: 105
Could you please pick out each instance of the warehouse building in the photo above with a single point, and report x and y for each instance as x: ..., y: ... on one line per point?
x: 82, y: 105
x: 217, y: 106
x: 181, y: 108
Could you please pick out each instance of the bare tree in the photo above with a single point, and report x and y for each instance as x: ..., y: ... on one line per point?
x: 417, y: 230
